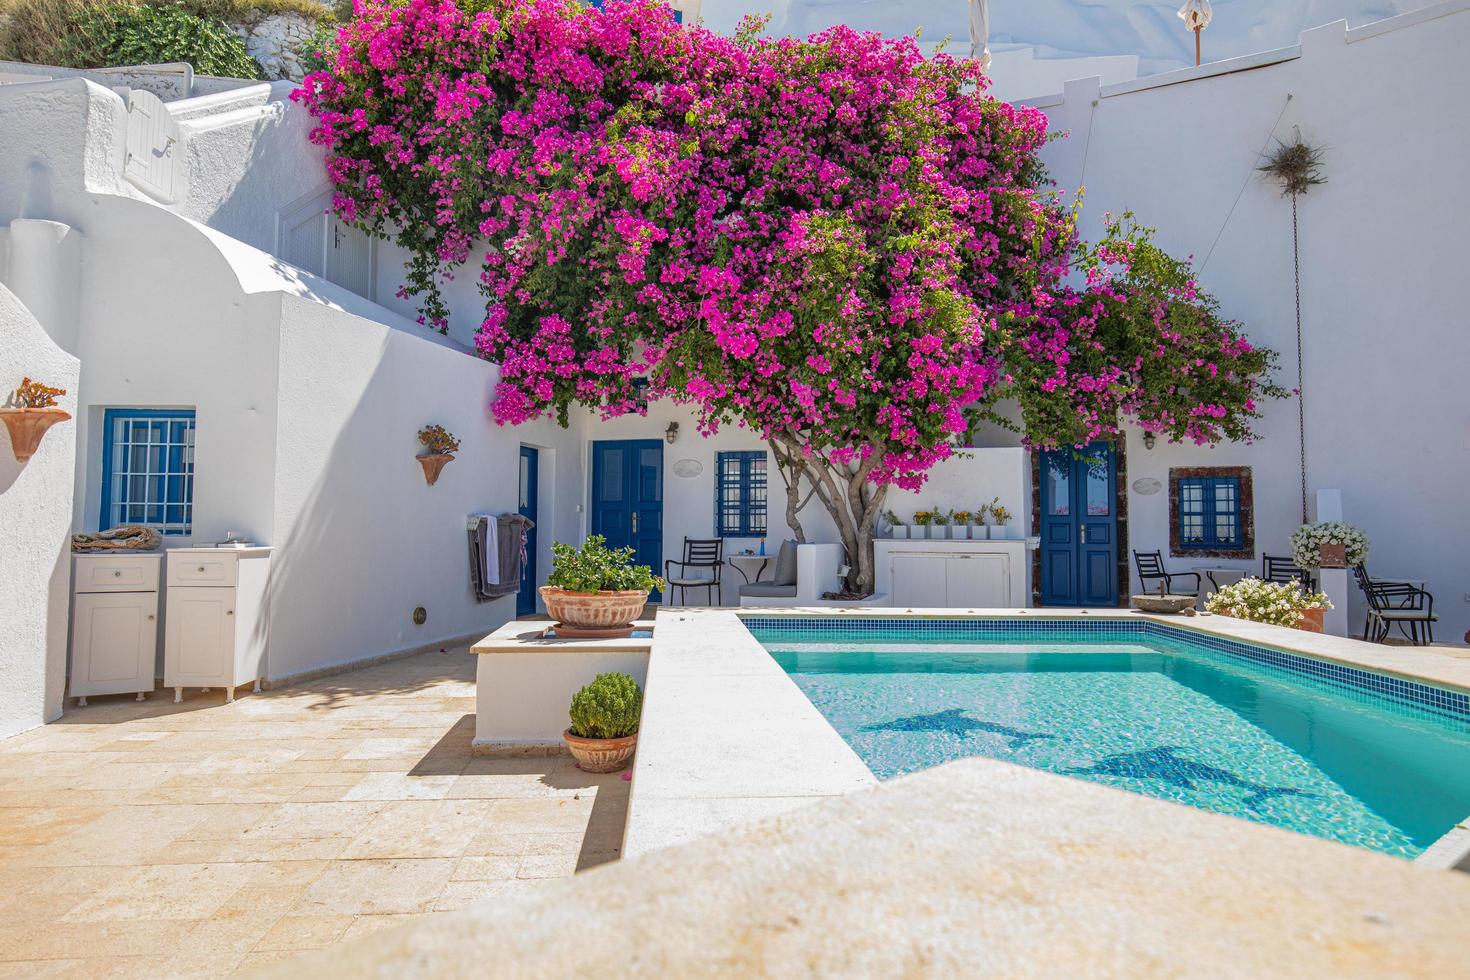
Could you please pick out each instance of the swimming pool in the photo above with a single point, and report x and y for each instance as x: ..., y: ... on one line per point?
x: 1308, y: 745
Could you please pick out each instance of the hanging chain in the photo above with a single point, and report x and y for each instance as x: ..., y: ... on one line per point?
x: 1301, y: 398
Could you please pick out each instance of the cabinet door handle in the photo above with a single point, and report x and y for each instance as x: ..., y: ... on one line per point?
x: 150, y: 617
x: 201, y: 568
x: 117, y: 574
x: 229, y: 612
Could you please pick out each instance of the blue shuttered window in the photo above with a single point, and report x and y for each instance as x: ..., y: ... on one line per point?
x: 740, y: 494
x: 1210, y: 513
x: 148, y: 469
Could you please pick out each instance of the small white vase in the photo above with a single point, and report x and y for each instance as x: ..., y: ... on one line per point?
x: 901, y: 531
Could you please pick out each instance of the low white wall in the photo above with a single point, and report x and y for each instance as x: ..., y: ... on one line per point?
x: 1381, y: 247
x: 35, y: 515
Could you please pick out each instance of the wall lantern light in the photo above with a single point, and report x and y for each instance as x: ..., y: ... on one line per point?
x: 1149, y: 439
x: 671, y: 434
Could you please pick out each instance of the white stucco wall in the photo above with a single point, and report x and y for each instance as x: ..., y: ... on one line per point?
x: 62, y: 138
x: 1382, y: 249
x: 35, y: 521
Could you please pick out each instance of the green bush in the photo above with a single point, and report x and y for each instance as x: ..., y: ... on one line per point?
x: 597, y: 568
x: 607, y: 708
x: 129, y: 34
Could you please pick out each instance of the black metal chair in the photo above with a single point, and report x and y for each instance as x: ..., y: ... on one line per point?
x: 1151, y: 566
x: 1275, y: 568
x: 699, y: 553
x: 1401, y: 604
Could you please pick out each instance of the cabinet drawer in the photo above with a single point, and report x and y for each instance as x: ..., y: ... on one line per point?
x: 197, y: 569
x: 116, y: 573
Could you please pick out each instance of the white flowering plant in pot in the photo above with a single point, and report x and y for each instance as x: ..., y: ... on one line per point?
x: 1277, y: 603
x: 1307, y: 542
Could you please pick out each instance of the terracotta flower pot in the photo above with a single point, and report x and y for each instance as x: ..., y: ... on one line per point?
x: 1332, y: 555
x: 1312, y: 620
x: 433, y: 465
x: 28, y: 425
x: 594, y: 610
x: 601, y: 754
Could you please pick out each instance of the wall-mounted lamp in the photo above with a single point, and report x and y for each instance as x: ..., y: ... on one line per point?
x: 1149, y: 439
x: 671, y: 434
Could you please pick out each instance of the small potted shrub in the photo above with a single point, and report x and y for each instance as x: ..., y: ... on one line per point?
x: 896, y: 527
x: 1329, y: 544
x: 962, y: 527
x: 32, y: 410
x: 940, y: 522
x: 604, y: 729
x: 595, y: 590
x: 1277, y: 603
x: 441, y: 445
x: 922, y: 521
x: 1002, y: 518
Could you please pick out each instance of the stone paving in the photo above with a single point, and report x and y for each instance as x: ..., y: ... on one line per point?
x: 160, y: 840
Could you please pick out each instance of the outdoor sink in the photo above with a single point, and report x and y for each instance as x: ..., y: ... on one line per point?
x: 1167, y: 603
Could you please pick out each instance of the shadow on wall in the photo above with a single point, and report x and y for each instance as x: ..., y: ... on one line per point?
x: 361, y: 538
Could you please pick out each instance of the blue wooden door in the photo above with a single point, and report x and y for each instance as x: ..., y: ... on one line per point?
x: 529, y: 483
x: 628, y: 497
x: 1079, y: 526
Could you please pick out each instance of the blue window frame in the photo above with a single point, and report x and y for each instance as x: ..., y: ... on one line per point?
x: 1210, y: 513
x: 148, y: 469
x: 740, y: 494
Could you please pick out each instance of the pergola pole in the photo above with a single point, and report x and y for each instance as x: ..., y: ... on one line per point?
x: 1196, y: 46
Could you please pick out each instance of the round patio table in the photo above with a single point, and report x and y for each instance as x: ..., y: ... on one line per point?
x: 1219, y: 575
x: 745, y: 562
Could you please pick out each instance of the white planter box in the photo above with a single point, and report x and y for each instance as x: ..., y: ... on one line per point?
x: 900, y: 531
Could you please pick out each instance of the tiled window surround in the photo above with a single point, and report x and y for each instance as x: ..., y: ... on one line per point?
x: 1381, y: 689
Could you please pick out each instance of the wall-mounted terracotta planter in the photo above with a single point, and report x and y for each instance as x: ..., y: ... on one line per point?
x: 433, y: 465
x: 28, y: 425
x: 1332, y: 555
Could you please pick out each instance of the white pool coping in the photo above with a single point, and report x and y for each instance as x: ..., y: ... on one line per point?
x: 727, y: 737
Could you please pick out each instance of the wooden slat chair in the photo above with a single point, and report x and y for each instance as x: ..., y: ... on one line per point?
x: 699, y: 553
x: 1151, y: 566
x: 1401, y: 604
x: 1275, y: 568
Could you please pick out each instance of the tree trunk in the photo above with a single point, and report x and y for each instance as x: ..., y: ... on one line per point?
x: 850, y: 498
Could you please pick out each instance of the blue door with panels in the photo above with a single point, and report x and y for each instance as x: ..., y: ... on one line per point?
x: 1079, y: 526
x: 529, y: 484
x: 628, y: 497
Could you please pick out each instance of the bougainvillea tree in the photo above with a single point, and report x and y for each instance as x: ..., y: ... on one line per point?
x: 833, y: 242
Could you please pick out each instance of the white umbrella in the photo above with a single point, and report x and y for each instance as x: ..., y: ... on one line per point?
x: 980, y: 31
x: 1196, y: 15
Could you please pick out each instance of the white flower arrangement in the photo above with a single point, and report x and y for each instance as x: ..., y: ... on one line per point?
x: 1277, y: 603
x: 1307, y: 540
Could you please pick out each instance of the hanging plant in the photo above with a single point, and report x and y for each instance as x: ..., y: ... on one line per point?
x: 441, y: 445
x: 1295, y: 166
x: 31, y: 412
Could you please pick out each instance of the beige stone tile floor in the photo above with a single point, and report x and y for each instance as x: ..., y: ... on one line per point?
x: 193, y: 840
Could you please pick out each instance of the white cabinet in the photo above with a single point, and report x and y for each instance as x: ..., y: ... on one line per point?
x: 216, y: 630
x: 952, y: 574
x: 114, y: 624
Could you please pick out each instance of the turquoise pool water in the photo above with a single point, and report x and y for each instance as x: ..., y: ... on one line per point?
x: 1154, y: 715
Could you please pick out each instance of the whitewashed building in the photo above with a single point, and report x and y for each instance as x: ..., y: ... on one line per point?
x: 169, y: 262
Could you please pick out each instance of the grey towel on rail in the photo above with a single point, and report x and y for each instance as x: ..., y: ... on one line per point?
x: 510, y: 538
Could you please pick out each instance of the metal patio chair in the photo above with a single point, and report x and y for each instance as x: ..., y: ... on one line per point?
x: 1275, y: 568
x: 1401, y: 604
x: 1151, y: 566
x: 699, y: 553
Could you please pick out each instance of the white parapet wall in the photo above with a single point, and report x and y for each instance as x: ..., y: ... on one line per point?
x: 524, y: 682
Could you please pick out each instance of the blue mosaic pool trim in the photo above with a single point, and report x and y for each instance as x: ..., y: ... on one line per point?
x: 1437, y: 700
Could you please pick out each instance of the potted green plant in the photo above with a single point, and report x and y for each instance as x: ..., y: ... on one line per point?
x: 1277, y: 603
x: 962, y: 528
x: 940, y: 523
x: 595, y: 590
x: 922, y: 521
x: 32, y: 411
x: 1329, y: 544
x: 1002, y: 518
x: 982, y: 520
x: 441, y: 445
x: 604, y: 728
x: 896, y: 527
